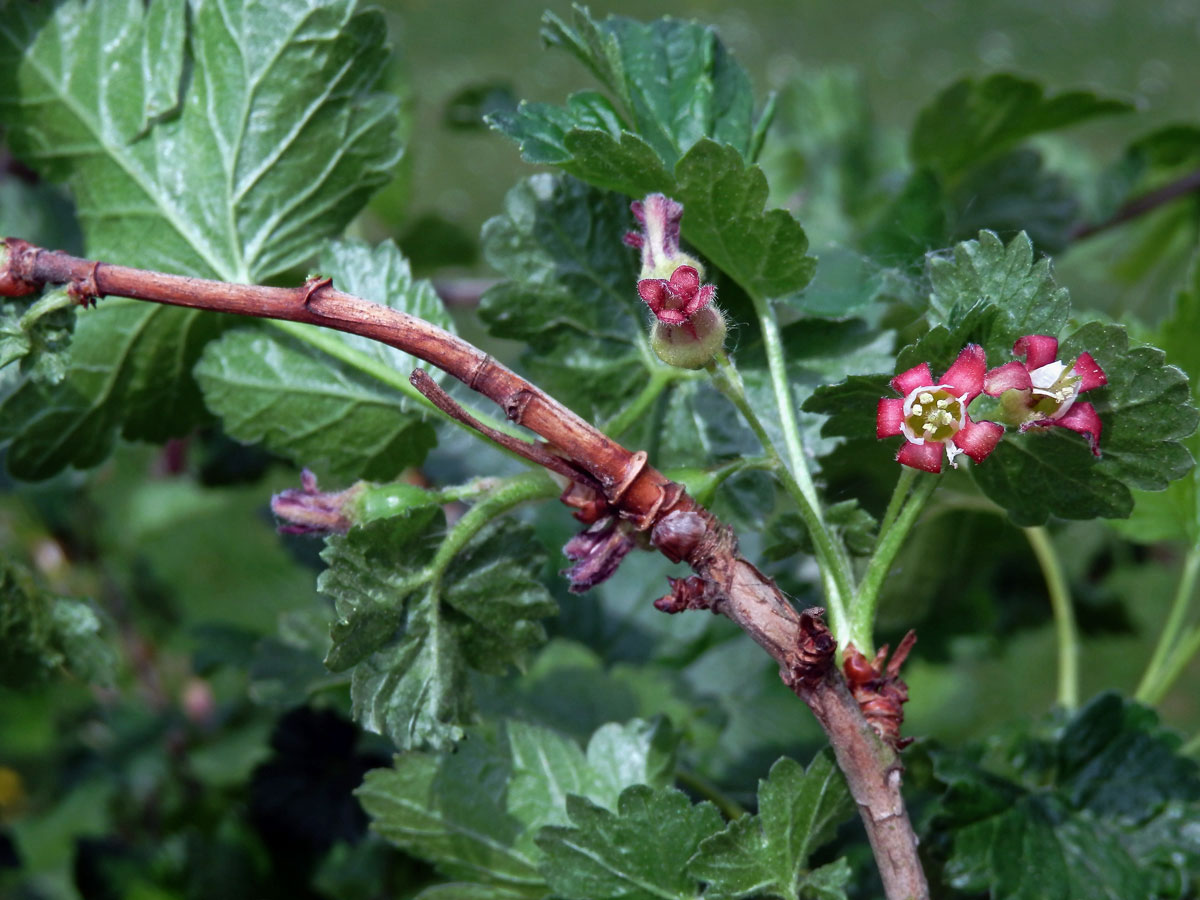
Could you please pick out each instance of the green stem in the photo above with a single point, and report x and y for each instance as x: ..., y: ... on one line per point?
x: 783, y: 399
x: 1172, y: 628
x: 1064, y: 616
x: 891, y: 538
x: 328, y: 342
x: 660, y: 378
x: 903, y: 485
x: 702, y: 787
x: 835, y: 568
x: 1186, y: 648
x: 515, y: 491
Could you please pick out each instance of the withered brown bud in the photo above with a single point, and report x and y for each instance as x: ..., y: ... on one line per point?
x: 589, y: 505
x: 879, y: 691
x: 676, y: 534
x: 692, y: 592
x: 596, y: 552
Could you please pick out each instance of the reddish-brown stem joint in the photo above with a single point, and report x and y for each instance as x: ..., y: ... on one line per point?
x: 879, y: 690
x: 812, y: 659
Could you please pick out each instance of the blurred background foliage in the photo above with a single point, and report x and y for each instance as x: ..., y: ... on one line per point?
x: 219, y: 761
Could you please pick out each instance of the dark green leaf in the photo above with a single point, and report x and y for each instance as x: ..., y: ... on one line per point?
x: 1014, y: 193
x: 129, y: 370
x: 1066, y: 820
x: 637, y: 853
x: 42, y: 634
x: 912, y: 224
x: 571, y: 292
x: 973, y: 119
x: 1007, y: 277
x: 411, y: 625
x: 298, y: 403
x: 1175, y: 512
x: 767, y: 854
x: 451, y: 811
x: 474, y: 813
x: 95, y: 95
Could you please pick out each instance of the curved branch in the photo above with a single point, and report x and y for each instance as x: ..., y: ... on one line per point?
x: 679, y: 527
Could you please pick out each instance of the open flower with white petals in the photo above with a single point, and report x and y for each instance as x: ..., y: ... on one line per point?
x: 1044, y: 390
x: 933, y: 413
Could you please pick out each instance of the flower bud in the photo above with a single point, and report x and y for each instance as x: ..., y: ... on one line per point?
x: 693, y: 344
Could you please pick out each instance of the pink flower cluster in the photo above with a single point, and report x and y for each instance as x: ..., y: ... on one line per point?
x: 1036, y: 392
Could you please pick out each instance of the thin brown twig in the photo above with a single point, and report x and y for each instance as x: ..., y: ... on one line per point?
x: 1139, y: 206
x: 799, y: 643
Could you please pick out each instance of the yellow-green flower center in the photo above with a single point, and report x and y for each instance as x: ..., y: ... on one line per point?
x: 932, y: 414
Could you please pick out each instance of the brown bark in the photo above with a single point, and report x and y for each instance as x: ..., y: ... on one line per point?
x: 799, y: 642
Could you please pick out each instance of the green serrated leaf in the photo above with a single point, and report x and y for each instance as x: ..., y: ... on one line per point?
x: 1007, y: 277
x: 767, y: 855
x: 1174, y: 514
x: 38, y: 335
x: 675, y: 78
x: 411, y: 625
x: 298, y: 403
x: 42, y: 634
x: 451, y: 811
x: 973, y: 119
x: 571, y: 292
x: 1068, y: 821
x: 111, y: 137
x: 94, y: 95
x: 475, y: 813
x: 637, y: 853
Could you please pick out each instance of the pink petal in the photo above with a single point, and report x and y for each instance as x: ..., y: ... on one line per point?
x: 889, y: 417
x: 1012, y: 376
x: 684, y: 281
x: 1038, y: 349
x: 1089, y: 372
x: 917, y: 376
x: 657, y: 292
x: 966, y: 375
x: 1083, y: 418
x: 927, y: 456
x: 654, y: 292
x: 703, y: 297
x: 978, y: 439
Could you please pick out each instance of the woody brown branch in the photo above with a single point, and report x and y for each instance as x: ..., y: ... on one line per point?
x: 638, y: 492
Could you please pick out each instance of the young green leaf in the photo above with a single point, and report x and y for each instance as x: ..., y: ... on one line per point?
x: 212, y: 174
x: 1007, y: 277
x: 675, y: 79
x: 973, y: 119
x: 411, y: 627
x: 687, y: 132
x: 767, y: 855
x: 638, y: 852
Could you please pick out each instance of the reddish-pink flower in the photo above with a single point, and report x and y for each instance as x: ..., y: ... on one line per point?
x: 676, y: 300
x: 1043, y: 390
x: 933, y: 413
